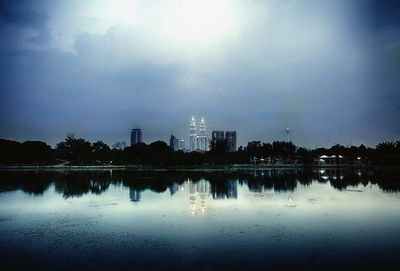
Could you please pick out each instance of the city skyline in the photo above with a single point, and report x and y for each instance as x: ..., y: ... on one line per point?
x: 329, y: 71
x: 200, y: 140
x: 199, y: 134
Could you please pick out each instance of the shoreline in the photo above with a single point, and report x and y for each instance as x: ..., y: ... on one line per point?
x: 196, y: 167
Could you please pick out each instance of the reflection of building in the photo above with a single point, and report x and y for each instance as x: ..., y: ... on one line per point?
x: 136, y: 136
x: 174, y: 143
x: 199, y: 191
x: 134, y: 195
x: 224, y: 190
x: 230, y: 137
x: 173, y: 188
x: 232, y: 190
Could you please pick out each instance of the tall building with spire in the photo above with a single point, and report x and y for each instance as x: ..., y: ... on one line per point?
x: 202, y: 139
x: 192, y: 135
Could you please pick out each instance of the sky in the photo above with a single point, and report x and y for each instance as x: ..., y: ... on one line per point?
x: 328, y: 70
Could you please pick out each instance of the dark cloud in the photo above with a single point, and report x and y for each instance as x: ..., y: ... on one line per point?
x: 47, y: 93
x: 383, y: 13
x: 25, y: 18
x: 329, y: 72
x: 14, y: 13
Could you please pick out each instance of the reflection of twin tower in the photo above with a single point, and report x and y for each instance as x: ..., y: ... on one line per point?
x: 198, y: 141
x: 199, y: 191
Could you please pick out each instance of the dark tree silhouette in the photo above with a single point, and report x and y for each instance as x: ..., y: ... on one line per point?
x: 82, y: 152
x: 101, y: 151
x: 77, y: 151
x: 28, y: 152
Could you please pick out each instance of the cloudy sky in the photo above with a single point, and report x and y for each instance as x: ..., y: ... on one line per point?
x: 329, y: 70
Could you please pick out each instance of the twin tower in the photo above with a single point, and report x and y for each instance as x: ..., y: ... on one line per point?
x: 198, y: 141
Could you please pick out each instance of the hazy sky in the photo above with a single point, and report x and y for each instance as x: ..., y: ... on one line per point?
x: 329, y: 70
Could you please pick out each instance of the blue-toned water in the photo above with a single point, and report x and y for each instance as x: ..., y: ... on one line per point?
x: 199, y: 220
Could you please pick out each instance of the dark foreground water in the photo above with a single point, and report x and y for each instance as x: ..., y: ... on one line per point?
x: 264, y: 220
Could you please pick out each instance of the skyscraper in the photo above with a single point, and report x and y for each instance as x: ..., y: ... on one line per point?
x: 202, y: 140
x: 119, y: 145
x: 174, y: 143
x: 217, y: 135
x: 136, y: 136
x: 230, y: 137
x: 182, y: 145
x: 192, y: 135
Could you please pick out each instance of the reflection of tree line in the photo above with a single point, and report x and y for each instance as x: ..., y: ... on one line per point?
x: 221, y: 184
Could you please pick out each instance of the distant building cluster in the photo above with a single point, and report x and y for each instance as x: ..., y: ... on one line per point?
x: 229, y: 136
x: 198, y: 138
x: 119, y: 145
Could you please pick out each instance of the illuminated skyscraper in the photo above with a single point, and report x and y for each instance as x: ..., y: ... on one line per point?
x: 192, y: 135
x: 202, y: 140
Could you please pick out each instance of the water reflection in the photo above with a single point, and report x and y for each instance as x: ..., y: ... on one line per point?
x: 134, y: 194
x: 218, y: 185
x: 182, y: 220
x: 199, y: 191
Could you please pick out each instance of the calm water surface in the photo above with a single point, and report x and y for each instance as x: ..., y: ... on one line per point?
x: 199, y: 220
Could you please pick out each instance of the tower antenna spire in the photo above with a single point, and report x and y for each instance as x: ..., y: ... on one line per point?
x: 192, y: 135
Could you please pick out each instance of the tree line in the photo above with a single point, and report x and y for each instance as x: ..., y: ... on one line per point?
x: 82, y: 152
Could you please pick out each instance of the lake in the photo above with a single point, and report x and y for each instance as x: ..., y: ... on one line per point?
x: 199, y: 220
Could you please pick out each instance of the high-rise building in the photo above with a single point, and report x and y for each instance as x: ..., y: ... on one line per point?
x: 217, y: 135
x: 119, y: 145
x: 174, y: 143
x: 202, y: 140
x: 136, y: 136
x: 182, y: 146
x: 230, y: 137
x: 192, y: 135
